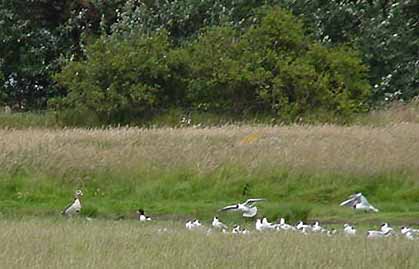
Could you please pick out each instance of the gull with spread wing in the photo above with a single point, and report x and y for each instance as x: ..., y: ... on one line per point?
x: 359, y: 202
x: 248, y: 207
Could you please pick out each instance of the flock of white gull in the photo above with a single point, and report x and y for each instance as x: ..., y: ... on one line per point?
x: 249, y: 210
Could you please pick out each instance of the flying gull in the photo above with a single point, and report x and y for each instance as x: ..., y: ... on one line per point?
x: 359, y: 202
x: 248, y: 207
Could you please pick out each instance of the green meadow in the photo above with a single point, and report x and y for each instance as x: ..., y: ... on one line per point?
x: 303, y: 171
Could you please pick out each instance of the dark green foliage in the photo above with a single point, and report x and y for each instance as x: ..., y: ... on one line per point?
x: 272, y: 60
x: 37, y: 36
x: 120, y: 79
x: 271, y: 67
x: 182, y: 19
x: 385, y: 31
x: 27, y: 55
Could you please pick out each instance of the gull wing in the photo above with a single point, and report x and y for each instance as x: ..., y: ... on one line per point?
x: 252, y: 201
x: 363, y: 200
x: 350, y: 202
x: 67, y: 207
x: 229, y: 207
x: 353, y: 200
x: 223, y: 226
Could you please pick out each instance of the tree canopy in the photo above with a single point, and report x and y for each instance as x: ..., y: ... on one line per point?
x: 136, y: 59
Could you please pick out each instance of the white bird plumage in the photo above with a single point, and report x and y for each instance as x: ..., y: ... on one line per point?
x: 359, y: 202
x: 258, y: 225
x: 377, y: 234
x: 238, y: 230
x: 193, y: 224
x: 317, y: 228
x: 385, y: 231
x: 142, y: 216
x: 304, y: 228
x: 75, y: 207
x: 385, y: 227
x: 284, y: 226
x: 216, y: 223
x: 349, y: 230
x: 248, y: 207
x: 266, y: 225
x: 408, y: 233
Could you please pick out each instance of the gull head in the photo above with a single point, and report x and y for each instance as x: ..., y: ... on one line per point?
x: 404, y: 230
x: 78, y: 193
x: 385, y: 225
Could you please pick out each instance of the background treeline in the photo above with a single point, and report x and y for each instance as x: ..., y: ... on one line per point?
x: 113, y: 61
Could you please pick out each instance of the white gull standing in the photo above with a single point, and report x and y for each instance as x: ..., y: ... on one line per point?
x: 267, y: 225
x: 284, y: 226
x: 385, y: 231
x: 216, y: 223
x: 193, y: 224
x: 385, y: 227
x: 304, y: 228
x: 407, y: 232
x: 317, y: 228
x: 349, y: 230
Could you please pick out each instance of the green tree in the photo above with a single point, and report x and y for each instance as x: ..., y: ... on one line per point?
x: 274, y: 67
x: 384, y: 31
x: 37, y: 36
x: 120, y: 80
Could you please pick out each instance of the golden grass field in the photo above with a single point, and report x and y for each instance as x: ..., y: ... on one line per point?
x: 58, y: 243
x: 356, y: 150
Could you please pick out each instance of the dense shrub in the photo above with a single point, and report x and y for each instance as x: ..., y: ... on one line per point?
x: 271, y: 67
x: 120, y: 79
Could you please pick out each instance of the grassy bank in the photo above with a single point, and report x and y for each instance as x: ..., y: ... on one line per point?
x: 303, y: 171
x: 394, y: 113
x: 58, y: 243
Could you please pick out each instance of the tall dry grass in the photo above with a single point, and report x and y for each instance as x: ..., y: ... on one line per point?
x: 303, y: 171
x: 357, y: 150
x: 35, y: 243
x: 393, y: 113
